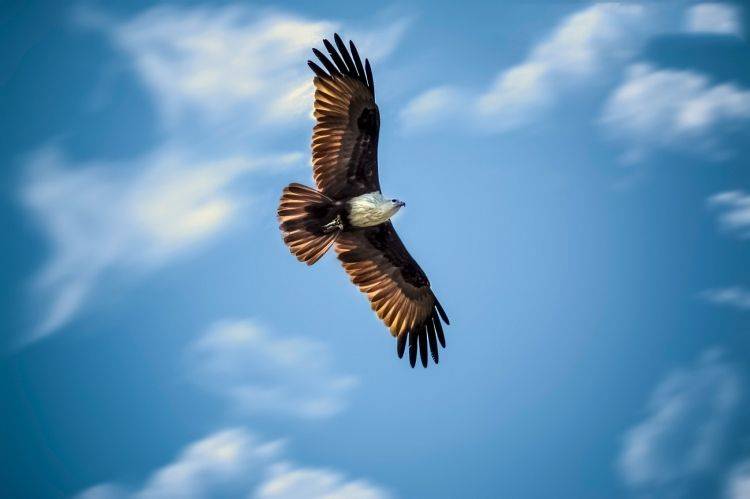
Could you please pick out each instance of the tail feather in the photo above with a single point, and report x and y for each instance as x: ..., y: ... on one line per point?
x: 303, y: 212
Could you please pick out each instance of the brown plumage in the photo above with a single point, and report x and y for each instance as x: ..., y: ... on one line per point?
x: 302, y: 232
x: 345, y: 169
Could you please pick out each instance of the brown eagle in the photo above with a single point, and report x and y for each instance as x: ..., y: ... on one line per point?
x: 349, y: 211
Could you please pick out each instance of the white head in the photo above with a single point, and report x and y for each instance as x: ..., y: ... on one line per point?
x: 394, y: 205
x: 372, y: 209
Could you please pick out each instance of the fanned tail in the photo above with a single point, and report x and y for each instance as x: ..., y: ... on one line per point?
x: 308, y: 222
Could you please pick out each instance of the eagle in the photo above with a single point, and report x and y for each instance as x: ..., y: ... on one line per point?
x: 348, y: 209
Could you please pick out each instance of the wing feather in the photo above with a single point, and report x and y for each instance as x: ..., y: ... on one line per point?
x: 345, y: 136
x: 399, y: 291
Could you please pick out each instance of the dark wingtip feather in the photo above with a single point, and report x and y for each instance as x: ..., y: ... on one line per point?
x: 438, y: 329
x: 357, y: 62
x: 401, y: 344
x: 336, y: 58
x: 441, y: 311
x: 317, y: 70
x: 427, y: 334
x: 328, y: 65
x: 423, y: 346
x: 345, y: 55
x: 341, y: 61
x: 412, y: 348
x: 433, y: 341
x: 368, y: 72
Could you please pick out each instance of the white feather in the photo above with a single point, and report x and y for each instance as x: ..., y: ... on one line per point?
x: 371, y: 209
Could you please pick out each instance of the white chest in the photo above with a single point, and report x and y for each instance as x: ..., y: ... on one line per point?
x: 370, y: 209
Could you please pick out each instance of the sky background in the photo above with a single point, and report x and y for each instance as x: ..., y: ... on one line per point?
x: 577, y: 187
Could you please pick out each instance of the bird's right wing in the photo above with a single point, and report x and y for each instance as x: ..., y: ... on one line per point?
x: 399, y: 291
x: 345, y: 136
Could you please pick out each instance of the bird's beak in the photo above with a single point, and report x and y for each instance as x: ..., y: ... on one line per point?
x: 401, y: 204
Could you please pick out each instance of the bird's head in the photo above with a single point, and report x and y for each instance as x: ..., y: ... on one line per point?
x: 389, y: 207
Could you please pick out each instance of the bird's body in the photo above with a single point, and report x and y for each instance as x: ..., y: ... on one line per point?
x: 349, y: 211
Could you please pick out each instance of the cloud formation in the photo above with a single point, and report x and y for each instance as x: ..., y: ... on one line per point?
x: 234, y: 462
x: 577, y: 51
x: 650, y: 109
x: 678, y: 110
x: 734, y: 212
x: 260, y: 372
x: 579, y: 48
x: 684, y: 428
x: 227, y: 462
x: 714, y: 19
x: 133, y: 215
x: 233, y: 62
x: 735, y: 296
x: 289, y: 482
x: 439, y: 104
x: 738, y: 483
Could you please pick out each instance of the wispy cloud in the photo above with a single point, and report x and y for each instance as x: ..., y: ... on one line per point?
x: 226, y: 60
x: 234, y: 462
x: 734, y: 212
x: 714, y: 18
x: 439, y: 104
x: 232, y: 62
x: 580, y: 48
x: 735, y: 296
x: 738, y: 482
x: 256, y: 371
x: 289, y: 482
x: 684, y: 428
x: 651, y: 108
x: 227, y: 462
x: 134, y: 215
x: 678, y: 110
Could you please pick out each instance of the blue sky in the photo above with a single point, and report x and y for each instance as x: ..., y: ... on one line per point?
x: 577, y: 188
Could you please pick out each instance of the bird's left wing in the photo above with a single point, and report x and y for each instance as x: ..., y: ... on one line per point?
x: 345, y: 137
x: 399, y: 291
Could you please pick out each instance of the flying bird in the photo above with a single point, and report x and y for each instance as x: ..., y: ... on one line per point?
x: 348, y: 209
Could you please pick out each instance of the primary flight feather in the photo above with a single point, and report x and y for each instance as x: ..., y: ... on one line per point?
x: 349, y: 211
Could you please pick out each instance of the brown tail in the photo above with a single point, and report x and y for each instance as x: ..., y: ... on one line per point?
x: 303, y: 216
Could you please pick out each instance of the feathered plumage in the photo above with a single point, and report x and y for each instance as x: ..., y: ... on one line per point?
x: 345, y: 167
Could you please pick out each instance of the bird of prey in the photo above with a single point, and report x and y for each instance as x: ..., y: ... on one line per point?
x: 349, y: 211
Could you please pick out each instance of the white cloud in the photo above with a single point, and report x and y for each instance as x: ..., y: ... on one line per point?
x: 227, y: 462
x: 440, y: 103
x: 234, y: 462
x: 713, y: 18
x: 261, y: 372
x: 585, y: 50
x: 223, y: 457
x: 103, y: 491
x: 735, y: 296
x: 232, y: 62
x: 672, y: 109
x: 738, y: 484
x: 103, y: 216
x: 289, y: 482
x: 580, y: 49
x: 684, y: 427
x: 735, y: 211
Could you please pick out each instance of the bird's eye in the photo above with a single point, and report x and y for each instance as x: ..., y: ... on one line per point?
x: 393, y: 200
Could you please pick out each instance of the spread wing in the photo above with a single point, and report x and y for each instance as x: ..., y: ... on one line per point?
x: 399, y: 291
x: 345, y: 137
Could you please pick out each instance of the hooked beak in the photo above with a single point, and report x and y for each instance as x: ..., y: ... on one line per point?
x: 401, y: 204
